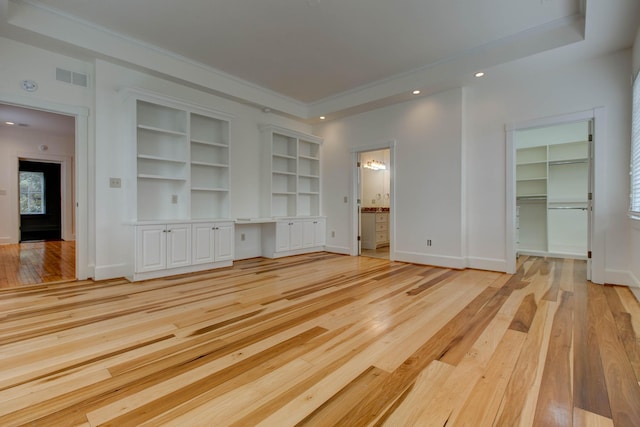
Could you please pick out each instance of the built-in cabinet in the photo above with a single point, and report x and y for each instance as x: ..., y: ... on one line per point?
x: 175, y: 248
x: 181, y: 195
x: 291, y: 178
x: 293, y: 236
x: 552, y: 199
x: 374, y: 228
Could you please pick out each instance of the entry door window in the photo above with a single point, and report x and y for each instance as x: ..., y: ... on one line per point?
x: 32, y: 199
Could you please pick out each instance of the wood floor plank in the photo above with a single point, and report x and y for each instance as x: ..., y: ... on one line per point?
x: 483, y: 403
x: 555, y: 400
x: 520, y: 398
x: 622, y: 385
x: 321, y: 339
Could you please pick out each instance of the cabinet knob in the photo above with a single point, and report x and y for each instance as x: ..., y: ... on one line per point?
x: 168, y: 231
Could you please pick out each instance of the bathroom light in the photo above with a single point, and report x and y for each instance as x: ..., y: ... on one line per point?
x: 479, y: 74
x: 9, y: 123
x: 416, y: 92
x: 375, y: 165
x: 322, y: 117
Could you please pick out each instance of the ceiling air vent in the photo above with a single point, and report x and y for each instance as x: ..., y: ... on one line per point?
x: 71, y: 77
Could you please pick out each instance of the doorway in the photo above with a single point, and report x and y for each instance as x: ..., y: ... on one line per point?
x: 39, y: 145
x: 39, y: 201
x: 374, y: 203
x: 552, y: 182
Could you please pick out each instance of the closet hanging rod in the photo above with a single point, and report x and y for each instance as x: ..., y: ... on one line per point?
x: 531, y: 197
x: 566, y: 207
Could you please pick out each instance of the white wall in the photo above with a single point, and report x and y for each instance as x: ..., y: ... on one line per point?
x: 20, y: 62
x: 20, y: 142
x: 634, y: 235
x: 430, y: 158
x: 115, y: 158
x: 520, y: 92
x: 428, y: 154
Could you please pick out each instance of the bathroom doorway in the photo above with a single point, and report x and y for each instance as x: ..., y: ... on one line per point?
x: 374, y: 209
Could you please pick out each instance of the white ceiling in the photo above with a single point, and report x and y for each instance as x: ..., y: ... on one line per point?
x: 312, y: 49
x: 332, y: 56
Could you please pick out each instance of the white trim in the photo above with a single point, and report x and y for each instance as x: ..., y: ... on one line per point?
x: 599, y: 194
x: 490, y: 264
x: 104, y: 272
x: 353, y: 232
x: 459, y: 263
x: 621, y: 277
x: 81, y: 196
x: 343, y: 250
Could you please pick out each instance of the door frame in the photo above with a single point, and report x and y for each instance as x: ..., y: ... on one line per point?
x: 597, y: 226
x: 355, y: 214
x: 81, y: 172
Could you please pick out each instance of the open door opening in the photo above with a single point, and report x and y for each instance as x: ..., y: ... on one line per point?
x: 374, y: 203
x: 38, y: 149
x: 553, y: 189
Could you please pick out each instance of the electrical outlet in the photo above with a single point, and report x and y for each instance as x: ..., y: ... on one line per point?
x: 333, y: 234
x: 346, y: 199
x: 115, y: 182
x: 428, y: 242
x: 174, y: 199
x: 242, y: 237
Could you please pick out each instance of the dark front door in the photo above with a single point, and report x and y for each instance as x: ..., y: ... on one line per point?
x: 40, y: 213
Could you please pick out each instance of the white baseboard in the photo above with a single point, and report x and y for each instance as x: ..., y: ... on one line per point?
x: 105, y: 272
x: 6, y: 240
x: 490, y: 264
x: 343, y: 250
x: 620, y: 277
x: 434, y: 260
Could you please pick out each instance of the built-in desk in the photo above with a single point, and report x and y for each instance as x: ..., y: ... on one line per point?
x: 287, y: 236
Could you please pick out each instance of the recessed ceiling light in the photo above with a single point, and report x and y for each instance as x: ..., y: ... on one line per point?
x: 416, y: 92
x: 9, y: 123
x: 479, y: 74
x: 322, y: 117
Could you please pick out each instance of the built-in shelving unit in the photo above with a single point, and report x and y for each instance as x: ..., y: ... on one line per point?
x: 182, y: 162
x: 209, y: 167
x: 552, y: 191
x: 292, y: 173
x: 182, y: 187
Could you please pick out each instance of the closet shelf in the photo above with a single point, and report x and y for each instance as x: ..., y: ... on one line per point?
x: 567, y: 162
x: 539, y: 162
x: 214, y: 165
x: 212, y: 143
x: 160, y: 158
x: 160, y: 130
x: 542, y: 178
x: 160, y: 177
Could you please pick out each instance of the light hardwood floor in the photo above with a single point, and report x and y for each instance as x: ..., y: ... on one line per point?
x: 37, y: 262
x: 324, y: 340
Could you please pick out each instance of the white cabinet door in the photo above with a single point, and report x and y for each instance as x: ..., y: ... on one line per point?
x: 203, y: 243
x: 320, y: 231
x: 282, y: 236
x: 224, y: 242
x: 151, y: 248
x: 178, y: 245
x: 295, y: 235
x: 308, y: 233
